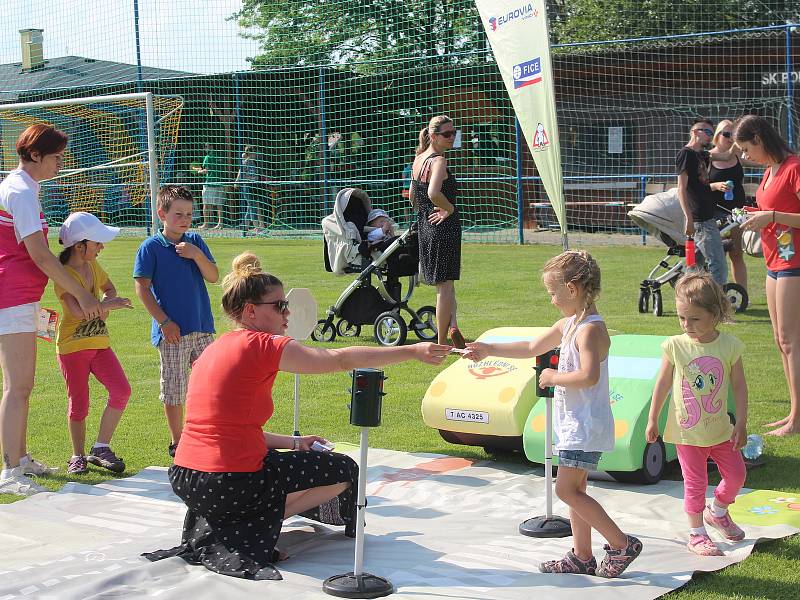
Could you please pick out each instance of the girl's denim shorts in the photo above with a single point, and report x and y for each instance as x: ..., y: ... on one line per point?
x: 579, y: 459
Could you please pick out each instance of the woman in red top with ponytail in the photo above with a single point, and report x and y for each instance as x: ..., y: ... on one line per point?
x: 237, y: 486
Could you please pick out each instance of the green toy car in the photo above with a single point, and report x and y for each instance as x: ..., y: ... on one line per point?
x: 483, y: 405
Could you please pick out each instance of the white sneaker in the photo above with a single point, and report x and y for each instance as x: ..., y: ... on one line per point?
x: 19, y: 484
x: 34, y: 467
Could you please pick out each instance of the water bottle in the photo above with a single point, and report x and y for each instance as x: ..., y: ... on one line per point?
x: 729, y: 193
x: 754, y: 447
x: 690, y: 258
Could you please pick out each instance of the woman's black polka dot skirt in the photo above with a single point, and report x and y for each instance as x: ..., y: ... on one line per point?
x: 234, y: 519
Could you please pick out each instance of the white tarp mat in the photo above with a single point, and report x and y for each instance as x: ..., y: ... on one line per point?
x: 437, y: 527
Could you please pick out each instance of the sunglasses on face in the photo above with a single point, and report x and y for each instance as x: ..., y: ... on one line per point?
x: 706, y: 130
x: 447, y: 134
x: 726, y: 134
x: 280, y: 305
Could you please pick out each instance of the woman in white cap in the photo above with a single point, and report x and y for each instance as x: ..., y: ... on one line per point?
x: 26, y: 263
x: 83, y: 346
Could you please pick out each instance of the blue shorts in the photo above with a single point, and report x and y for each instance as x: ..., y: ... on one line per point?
x: 784, y: 273
x: 579, y: 459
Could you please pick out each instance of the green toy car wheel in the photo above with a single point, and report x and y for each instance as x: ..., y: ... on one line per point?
x: 654, y: 461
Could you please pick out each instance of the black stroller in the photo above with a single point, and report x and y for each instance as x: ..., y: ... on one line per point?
x: 376, y: 296
x: 661, y: 216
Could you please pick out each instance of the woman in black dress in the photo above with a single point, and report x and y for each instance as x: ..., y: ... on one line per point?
x: 433, y: 194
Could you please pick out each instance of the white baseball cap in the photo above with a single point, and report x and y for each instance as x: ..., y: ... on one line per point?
x: 81, y: 226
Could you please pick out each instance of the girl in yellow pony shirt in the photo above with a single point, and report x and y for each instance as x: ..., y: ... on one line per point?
x: 701, y: 366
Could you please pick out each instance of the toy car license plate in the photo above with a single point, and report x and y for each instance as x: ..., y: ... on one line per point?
x: 472, y: 416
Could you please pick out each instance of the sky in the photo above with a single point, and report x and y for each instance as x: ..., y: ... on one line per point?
x: 182, y: 35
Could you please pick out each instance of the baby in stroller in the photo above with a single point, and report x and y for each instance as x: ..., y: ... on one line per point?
x: 379, y: 229
x: 362, y: 240
x: 662, y: 217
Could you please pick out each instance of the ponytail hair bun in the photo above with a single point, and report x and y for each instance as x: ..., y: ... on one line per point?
x: 245, y: 265
x: 247, y: 282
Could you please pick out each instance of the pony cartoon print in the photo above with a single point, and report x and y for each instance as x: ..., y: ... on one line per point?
x: 702, y: 380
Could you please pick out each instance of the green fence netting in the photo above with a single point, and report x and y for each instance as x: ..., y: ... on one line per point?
x: 294, y: 101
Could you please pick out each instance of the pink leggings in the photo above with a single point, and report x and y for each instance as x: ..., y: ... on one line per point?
x: 695, y: 474
x: 103, y: 364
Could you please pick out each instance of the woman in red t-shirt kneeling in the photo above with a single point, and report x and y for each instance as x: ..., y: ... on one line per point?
x: 237, y: 486
x: 778, y: 219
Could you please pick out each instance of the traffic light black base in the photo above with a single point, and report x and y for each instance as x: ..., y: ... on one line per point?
x: 350, y: 585
x: 543, y: 527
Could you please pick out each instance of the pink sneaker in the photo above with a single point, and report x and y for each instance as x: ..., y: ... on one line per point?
x: 724, y: 525
x: 703, y: 546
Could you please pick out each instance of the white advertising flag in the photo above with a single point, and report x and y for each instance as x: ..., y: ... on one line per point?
x: 518, y: 34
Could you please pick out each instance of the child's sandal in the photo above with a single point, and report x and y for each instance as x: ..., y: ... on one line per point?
x: 570, y: 564
x: 616, y: 561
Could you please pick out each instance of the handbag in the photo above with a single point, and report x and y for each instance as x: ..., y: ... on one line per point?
x: 751, y: 243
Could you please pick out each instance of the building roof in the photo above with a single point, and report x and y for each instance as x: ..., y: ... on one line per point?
x: 72, y: 72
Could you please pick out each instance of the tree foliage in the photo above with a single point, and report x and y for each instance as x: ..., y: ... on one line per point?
x: 316, y: 32
x: 593, y: 20
x: 332, y: 31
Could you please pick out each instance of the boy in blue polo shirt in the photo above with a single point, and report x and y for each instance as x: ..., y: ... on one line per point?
x: 171, y: 270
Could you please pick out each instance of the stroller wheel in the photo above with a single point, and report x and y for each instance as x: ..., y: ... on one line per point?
x: 347, y: 329
x: 737, y: 296
x: 324, y: 331
x: 644, y: 301
x: 425, y: 327
x: 658, y: 304
x: 390, y: 329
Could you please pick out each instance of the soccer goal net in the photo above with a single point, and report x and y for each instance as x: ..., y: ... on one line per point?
x: 120, y: 147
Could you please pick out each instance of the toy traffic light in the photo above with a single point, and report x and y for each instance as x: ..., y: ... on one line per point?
x: 366, y: 395
x: 365, y: 411
x: 548, y: 360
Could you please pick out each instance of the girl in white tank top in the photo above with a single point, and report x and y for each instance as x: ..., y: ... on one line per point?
x: 583, y: 421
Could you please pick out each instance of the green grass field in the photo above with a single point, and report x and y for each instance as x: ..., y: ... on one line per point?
x: 500, y: 286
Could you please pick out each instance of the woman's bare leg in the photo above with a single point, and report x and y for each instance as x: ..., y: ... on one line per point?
x: 297, y: 502
x: 445, y: 308
x: 736, y: 256
x: 787, y: 332
x: 18, y: 362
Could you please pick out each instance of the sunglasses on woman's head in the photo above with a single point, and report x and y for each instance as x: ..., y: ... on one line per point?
x: 280, y: 305
x: 726, y: 134
x: 706, y: 130
x: 446, y: 134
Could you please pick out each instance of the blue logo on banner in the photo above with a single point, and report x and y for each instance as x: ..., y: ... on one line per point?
x: 527, y: 73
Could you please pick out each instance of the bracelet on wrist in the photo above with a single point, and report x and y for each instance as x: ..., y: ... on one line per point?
x: 295, y: 443
x: 164, y: 322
